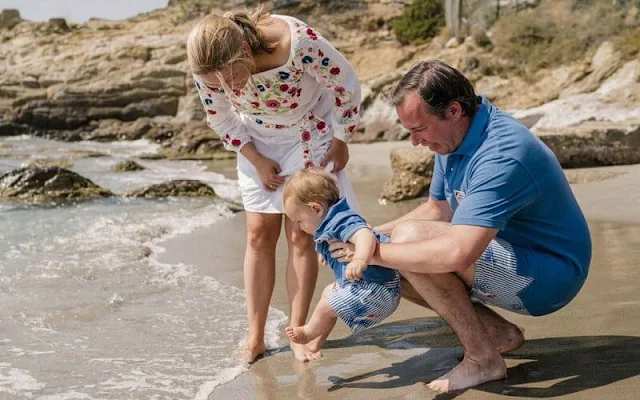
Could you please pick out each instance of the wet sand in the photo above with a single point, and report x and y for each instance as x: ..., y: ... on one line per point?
x: 588, y: 350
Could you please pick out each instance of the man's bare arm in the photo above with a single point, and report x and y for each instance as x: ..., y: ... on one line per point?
x: 432, y: 210
x: 453, y: 251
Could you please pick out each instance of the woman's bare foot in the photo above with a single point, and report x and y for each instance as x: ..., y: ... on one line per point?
x: 470, y: 373
x: 253, y: 352
x: 297, y: 334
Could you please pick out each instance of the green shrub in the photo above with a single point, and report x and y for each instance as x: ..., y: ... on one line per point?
x: 420, y: 21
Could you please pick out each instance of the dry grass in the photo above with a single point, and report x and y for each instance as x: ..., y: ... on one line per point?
x: 553, y: 34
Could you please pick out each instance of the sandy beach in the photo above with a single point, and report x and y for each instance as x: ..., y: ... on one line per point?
x: 588, y: 350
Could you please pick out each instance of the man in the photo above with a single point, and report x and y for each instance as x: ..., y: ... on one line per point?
x: 501, y: 226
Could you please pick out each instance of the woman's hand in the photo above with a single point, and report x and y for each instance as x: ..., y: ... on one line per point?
x: 338, y: 152
x: 342, y: 251
x: 268, y: 171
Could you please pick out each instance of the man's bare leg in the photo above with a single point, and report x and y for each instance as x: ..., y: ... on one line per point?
x: 319, y: 326
x: 505, y: 335
x: 448, y: 297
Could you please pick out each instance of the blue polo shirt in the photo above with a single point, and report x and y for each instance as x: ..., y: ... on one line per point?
x: 502, y: 176
x: 340, y: 223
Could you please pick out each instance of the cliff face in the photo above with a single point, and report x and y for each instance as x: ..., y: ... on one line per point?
x: 112, y: 80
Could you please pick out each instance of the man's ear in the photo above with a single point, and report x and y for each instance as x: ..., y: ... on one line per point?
x: 454, y: 111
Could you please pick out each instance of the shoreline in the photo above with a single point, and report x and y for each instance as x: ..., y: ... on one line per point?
x: 390, y: 358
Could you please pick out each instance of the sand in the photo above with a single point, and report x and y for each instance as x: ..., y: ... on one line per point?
x: 588, y: 350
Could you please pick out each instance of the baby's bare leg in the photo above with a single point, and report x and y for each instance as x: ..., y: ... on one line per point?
x: 319, y: 326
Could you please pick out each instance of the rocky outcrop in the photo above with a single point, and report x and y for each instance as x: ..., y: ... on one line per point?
x: 48, y: 184
x: 594, y: 144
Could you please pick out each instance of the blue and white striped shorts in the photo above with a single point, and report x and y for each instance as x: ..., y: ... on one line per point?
x: 524, y: 280
x: 361, y: 304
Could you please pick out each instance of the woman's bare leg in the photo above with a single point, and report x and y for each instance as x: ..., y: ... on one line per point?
x: 259, y: 275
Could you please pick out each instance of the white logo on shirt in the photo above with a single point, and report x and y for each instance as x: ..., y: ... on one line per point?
x: 459, y: 195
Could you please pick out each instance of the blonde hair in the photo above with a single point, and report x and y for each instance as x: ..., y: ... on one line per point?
x: 311, y: 185
x: 215, y: 41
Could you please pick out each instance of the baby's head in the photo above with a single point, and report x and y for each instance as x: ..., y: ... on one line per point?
x: 308, y: 194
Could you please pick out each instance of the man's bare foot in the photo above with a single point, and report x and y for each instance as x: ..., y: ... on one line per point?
x: 508, y: 338
x: 470, y: 373
x: 297, y: 334
x: 302, y: 353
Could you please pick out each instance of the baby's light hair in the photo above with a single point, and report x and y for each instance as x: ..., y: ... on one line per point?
x: 311, y: 185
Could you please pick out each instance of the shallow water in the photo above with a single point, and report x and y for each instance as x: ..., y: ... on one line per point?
x: 87, y: 310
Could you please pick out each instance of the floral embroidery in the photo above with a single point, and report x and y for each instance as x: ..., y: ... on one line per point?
x: 273, y: 103
x: 269, y: 95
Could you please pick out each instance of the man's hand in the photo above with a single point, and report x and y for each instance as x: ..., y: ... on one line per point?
x: 342, y: 251
x: 355, y: 269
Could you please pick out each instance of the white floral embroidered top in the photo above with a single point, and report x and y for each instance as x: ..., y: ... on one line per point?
x: 284, y: 100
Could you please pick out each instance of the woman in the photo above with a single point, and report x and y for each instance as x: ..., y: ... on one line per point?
x: 284, y: 99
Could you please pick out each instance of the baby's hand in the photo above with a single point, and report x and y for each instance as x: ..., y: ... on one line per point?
x: 355, y: 269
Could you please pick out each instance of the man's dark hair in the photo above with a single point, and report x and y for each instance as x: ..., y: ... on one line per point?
x: 438, y: 85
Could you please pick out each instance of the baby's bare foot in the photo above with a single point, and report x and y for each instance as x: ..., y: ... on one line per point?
x: 296, y: 334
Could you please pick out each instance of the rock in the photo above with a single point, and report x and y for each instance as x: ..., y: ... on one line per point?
x: 9, y: 18
x: 48, y: 184
x: 175, y: 188
x: 417, y: 160
x: 13, y: 129
x: 128, y: 166
x: 632, y: 18
x: 470, y: 64
x: 279, y: 4
x: 142, y: 53
x: 594, y: 143
x: 604, y: 63
x: 405, y: 185
x: 452, y: 43
x: 412, y: 169
x: 58, y: 25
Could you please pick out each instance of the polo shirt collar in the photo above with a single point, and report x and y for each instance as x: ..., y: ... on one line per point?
x: 475, y: 135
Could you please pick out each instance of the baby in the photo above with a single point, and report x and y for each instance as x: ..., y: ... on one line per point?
x: 362, y: 294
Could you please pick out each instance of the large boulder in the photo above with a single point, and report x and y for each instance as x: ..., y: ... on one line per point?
x: 9, y: 18
x: 48, y: 184
x: 412, y: 169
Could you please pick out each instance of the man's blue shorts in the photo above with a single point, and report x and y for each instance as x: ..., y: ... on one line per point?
x: 524, y: 280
